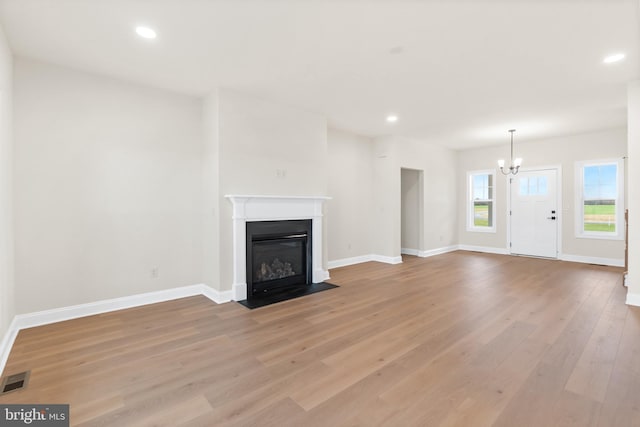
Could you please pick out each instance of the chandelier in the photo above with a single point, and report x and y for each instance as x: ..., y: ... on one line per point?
x: 515, y: 164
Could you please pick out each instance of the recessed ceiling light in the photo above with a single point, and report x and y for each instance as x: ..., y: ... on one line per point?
x: 146, y: 32
x: 392, y: 119
x: 614, y: 58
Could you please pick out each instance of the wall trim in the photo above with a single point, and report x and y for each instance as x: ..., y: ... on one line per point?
x: 613, y: 262
x: 349, y: 261
x: 437, y: 251
x: 486, y: 249
x: 390, y: 260
x: 323, y: 274
x: 45, y: 317
x: 363, y: 258
x: 633, y: 299
x: 219, y: 297
x: 407, y: 251
x: 387, y: 259
x: 7, y: 344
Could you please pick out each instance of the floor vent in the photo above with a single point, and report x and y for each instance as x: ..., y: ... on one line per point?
x: 14, y: 382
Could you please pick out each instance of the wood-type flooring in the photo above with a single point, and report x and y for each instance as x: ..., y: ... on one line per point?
x: 459, y: 339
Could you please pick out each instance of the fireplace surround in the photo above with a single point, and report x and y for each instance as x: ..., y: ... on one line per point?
x: 252, y: 208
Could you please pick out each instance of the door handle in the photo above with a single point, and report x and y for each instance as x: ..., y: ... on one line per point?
x: 551, y: 217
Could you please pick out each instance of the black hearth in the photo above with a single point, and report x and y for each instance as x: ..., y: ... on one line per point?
x: 278, y: 257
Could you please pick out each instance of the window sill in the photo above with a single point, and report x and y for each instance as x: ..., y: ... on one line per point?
x: 599, y: 237
x: 481, y: 230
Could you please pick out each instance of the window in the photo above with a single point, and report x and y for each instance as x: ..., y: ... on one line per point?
x: 533, y: 186
x: 600, y: 199
x: 481, y: 213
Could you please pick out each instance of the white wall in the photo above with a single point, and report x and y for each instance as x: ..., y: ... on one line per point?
x: 266, y: 148
x: 258, y: 138
x: 563, y: 151
x: 349, y: 220
x: 112, y: 180
x: 439, y: 192
x: 386, y: 198
x: 633, y: 171
x: 211, y: 192
x: 438, y: 164
x: 7, y: 309
x: 108, y: 186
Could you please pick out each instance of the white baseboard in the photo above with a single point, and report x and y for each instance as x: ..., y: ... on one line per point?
x: 391, y: 260
x: 428, y: 252
x: 407, y: 251
x: 349, y: 261
x: 320, y: 275
x: 239, y: 291
x: 486, y: 249
x: 613, y: 262
x: 387, y: 259
x: 364, y: 258
x: 437, y: 251
x: 633, y: 299
x: 7, y: 343
x: 219, y: 297
x: 323, y: 275
x: 39, y: 318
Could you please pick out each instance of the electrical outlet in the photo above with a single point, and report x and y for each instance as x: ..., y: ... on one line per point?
x: 154, y: 273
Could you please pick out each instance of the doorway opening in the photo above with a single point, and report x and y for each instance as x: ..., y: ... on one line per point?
x: 411, y: 211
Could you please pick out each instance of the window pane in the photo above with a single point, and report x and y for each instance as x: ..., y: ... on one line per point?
x: 533, y: 186
x: 600, y: 182
x: 524, y: 186
x: 542, y: 185
x: 600, y: 215
x: 600, y: 193
x: 482, y: 214
x: 481, y: 187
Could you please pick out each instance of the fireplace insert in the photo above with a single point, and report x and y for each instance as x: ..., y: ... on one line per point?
x: 278, y: 256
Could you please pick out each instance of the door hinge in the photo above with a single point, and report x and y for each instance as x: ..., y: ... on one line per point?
x: 510, y: 213
x: 510, y: 244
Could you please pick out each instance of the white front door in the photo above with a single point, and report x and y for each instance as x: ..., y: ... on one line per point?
x: 534, y: 213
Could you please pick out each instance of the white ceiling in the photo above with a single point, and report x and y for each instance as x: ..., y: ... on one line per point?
x: 457, y: 73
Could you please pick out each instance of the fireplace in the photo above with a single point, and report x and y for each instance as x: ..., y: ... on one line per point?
x: 251, y: 208
x: 279, y: 256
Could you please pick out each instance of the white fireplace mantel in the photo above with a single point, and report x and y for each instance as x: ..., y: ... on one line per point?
x: 272, y: 208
